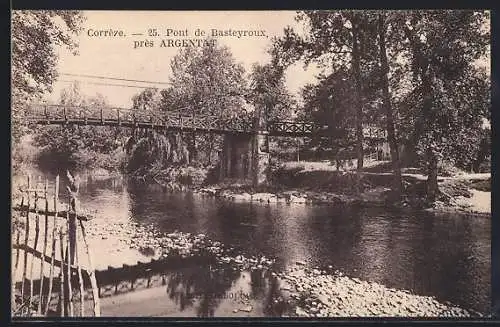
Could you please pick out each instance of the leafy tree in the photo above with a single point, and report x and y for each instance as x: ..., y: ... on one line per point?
x: 36, y: 34
x: 151, y: 149
x: 84, y: 146
x: 387, y: 100
x: 337, y: 40
x: 268, y: 91
x: 450, y: 96
x: 204, y: 80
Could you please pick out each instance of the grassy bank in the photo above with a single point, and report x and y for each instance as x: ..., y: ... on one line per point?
x: 320, y: 182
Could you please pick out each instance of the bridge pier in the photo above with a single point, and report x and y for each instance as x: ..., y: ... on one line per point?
x: 245, y: 158
x: 260, y: 158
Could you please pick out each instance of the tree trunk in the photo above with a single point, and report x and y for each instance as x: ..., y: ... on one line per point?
x: 193, y: 153
x: 432, y: 175
x: 359, y: 105
x: 426, y: 118
x: 211, y: 141
x: 391, y: 134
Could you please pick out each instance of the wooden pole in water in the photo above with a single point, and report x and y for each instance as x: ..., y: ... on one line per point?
x: 44, y: 245
x: 68, y: 265
x: 80, y: 278
x: 16, y: 265
x: 26, y: 237
x: 35, y: 245
x: 91, y: 272
x: 54, y: 227
x: 62, y: 301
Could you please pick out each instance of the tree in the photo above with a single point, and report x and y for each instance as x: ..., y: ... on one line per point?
x: 83, y: 146
x: 268, y: 91
x: 35, y: 36
x: 154, y: 149
x: 206, y: 80
x: 450, y: 93
x: 387, y: 104
x: 337, y: 40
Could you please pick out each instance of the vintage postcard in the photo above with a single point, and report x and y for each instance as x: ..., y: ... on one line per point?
x: 251, y: 163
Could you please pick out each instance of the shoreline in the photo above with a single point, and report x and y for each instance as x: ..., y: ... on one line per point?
x: 305, y: 286
x: 308, y: 291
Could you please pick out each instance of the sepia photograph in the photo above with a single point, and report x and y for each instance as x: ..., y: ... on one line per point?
x: 313, y: 163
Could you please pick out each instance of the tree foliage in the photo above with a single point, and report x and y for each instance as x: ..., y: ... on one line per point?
x: 439, y: 98
x: 268, y: 92
x: 85, y: 146
x: 37, y: 36
x: 204, y: 81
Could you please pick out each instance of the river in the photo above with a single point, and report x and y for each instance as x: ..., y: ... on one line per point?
x: 443, y: 255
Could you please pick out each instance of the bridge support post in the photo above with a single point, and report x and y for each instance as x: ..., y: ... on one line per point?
x: 235, y: 158
x: 260, y: 158
x: 245, y: 158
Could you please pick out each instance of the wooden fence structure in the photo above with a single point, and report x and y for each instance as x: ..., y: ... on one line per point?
x: 51, y: 239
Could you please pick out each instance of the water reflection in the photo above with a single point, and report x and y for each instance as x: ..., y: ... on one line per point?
x: 206, y: 287
x: 204, y: 284
x: 447, y: 256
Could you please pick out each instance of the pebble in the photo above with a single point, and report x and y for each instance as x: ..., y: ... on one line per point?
x: 248, y: 308
x: 337, y: 295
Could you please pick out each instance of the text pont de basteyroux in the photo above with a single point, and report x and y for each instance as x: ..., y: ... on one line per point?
x: 181, y: 36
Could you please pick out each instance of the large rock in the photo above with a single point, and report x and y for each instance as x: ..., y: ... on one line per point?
x: 297, y: 199
x: 262, y: 197
x: 242, y: 197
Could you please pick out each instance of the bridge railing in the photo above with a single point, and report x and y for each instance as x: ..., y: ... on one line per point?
x: 62, y: 114
x: 134, y: 116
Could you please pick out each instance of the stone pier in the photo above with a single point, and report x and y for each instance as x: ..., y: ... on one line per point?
x: 245, y: 158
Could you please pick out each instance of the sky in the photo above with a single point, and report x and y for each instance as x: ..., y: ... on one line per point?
x: 116, y: 57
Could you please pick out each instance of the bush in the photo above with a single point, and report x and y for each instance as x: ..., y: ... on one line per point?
x: 448, y: 169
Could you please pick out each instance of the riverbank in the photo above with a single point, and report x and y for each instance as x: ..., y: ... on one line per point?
x: 304, y: 291
x: 321, y: 183
x: 140, y: 226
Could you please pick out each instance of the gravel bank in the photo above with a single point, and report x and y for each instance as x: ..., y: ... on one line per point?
x: 319, y: 293
x: 313, y: 292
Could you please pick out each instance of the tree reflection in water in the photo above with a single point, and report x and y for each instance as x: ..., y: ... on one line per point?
x: 206, y: 286
x: 203, y: 285
x: 266, y: 287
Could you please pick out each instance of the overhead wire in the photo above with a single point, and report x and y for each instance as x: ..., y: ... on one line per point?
x: 115, y: 78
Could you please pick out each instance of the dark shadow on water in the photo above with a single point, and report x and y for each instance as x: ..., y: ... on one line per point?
x: 204, y: 286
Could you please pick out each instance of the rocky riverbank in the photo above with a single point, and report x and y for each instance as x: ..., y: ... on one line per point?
x: 311, y: 292
x: 376, y: 196
x: 321, y: 293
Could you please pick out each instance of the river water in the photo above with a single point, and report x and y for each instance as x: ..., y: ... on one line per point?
x: 443, y: 255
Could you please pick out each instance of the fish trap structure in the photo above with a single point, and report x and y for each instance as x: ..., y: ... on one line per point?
x: 52, y: 271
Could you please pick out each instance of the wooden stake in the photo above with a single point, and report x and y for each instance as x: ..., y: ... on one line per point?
x: 80, y: 278
x: 71, y: 247
x: 91, y: 272
x: 62, y: 301
x: 26, y: 236
x: 44, y: 252
x: 37, y: 234
x: 16, y: 265
x: 54, y: 227
x: 68, y: 263
x: 18, y: 235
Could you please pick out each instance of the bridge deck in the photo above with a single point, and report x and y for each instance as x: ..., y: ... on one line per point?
x: 175, y: 121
